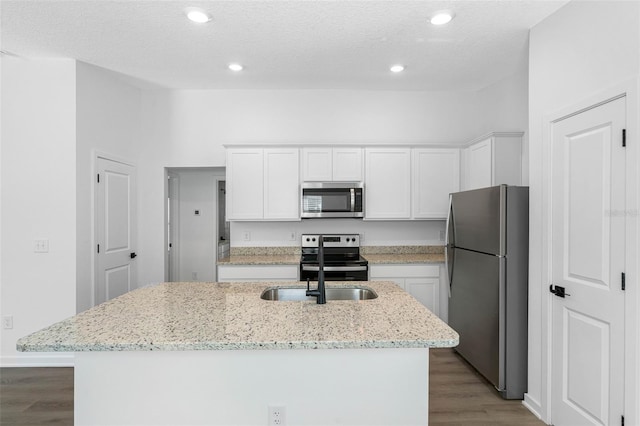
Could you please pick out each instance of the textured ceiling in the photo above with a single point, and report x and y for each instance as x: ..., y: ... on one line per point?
x: 282, y: 44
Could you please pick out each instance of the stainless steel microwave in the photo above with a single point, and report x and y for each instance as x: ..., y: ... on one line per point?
x: 332, y: 200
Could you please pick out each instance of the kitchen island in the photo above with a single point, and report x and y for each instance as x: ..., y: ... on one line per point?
x: 217, y: 354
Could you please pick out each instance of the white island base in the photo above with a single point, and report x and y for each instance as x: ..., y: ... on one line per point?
x: 236, y: 387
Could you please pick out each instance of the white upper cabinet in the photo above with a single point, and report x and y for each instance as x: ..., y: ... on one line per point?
x: 388, y: 183
x: 347, y: 165
x: 323, y: 164
x: 244, y: 185
x: 436, y: 174
x: 281, y: 184
x: 263, y: 183
x: 494, y: 159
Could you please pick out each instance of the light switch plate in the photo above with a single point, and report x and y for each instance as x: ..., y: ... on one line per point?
x: 41, y: 246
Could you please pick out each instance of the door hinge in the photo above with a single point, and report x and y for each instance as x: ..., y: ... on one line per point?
x: 98, y: 248
x: 623, y: 279
x: 624, y: 137
x: 98, y: 176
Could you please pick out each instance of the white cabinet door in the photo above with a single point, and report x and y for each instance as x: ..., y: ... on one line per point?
x: 493, y: 160
x: 388, y: 183
x: 479, y: 163
x: 426, y: 291
x: 332, y: 164
x: 281, y: 184
x: 244, y: 183
x: 263, y: 184
x: 317, y: 164
x: 436, y: 174
x: 419, y: 280
x: 347, y: 164
x: 257, y: 273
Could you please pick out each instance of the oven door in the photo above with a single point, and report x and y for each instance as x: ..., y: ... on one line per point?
x: 335, y: 273
x: 331, y: 200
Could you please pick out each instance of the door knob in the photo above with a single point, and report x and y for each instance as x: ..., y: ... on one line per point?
x: 133, y: 255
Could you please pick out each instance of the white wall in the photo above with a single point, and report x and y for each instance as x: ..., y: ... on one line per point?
x: 579, y: 51
x: 504, y: 107
x: 38, y: 200
x: 107, y: 121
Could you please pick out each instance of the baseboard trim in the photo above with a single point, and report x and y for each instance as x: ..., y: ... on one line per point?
x: 533, y: 406
x: 40, y: 360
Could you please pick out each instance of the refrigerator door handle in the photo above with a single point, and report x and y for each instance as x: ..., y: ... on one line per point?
x: 448, y: 263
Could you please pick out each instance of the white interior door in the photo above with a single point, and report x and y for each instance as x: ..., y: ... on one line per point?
x: 115, y: 229
x: 588, y: 187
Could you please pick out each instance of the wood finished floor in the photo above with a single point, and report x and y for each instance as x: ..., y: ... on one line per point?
x: 458, y: 396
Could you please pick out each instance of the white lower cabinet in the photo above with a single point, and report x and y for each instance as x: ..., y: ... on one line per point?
x: 257, y: 273
x: 422, y: 281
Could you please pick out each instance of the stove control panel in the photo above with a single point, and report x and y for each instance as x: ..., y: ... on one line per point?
x: 331, y: 240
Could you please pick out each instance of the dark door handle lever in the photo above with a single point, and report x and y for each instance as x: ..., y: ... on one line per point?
x: 558, y: 291
x: 133, y: 255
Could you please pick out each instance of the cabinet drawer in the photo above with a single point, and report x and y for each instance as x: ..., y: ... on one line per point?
x: 257, y: 273
x: 407, y: 271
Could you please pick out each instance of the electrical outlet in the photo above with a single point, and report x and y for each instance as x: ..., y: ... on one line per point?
x: 442, y: 236
x: 194, y: 276
x: 277, y: 415
x: 292, y: 236
x: 7, y: 322
x: 246, y: 235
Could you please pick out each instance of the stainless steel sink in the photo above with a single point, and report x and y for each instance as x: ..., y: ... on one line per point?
x: 297, y: 294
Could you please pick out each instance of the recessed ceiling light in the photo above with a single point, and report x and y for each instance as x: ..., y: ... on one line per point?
x: 397, y: 68
x: 442, y: 17
x: 197, y: 15
x: 235, y: 67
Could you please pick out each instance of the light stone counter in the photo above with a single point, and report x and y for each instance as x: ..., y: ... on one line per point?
x: 227, y: 316
x: 260, y: 259
x: 183, y: 353
x: 391, y: 258
x: 262, y: 256
x: 403, y: 254
x: 374, y: 254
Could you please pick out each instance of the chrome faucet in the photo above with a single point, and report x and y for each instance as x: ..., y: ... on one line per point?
x: 319, y: 293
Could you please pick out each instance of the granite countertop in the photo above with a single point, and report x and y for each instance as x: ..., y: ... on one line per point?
x: 260, y: 259
x: 262, y: 256
x: 374, y: 254
x: 403, y: 254
x: 228, y: 316
x: 404, y: 258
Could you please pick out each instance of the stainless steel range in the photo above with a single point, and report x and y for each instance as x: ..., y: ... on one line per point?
x: 342, y: 259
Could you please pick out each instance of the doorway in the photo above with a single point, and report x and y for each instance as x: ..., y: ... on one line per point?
x: 588, y: 266
x: 115, y: 229
x: 192, y: 223
x: 224, y: 230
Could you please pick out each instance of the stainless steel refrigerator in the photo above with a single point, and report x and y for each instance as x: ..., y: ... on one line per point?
x: 487, y: 261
